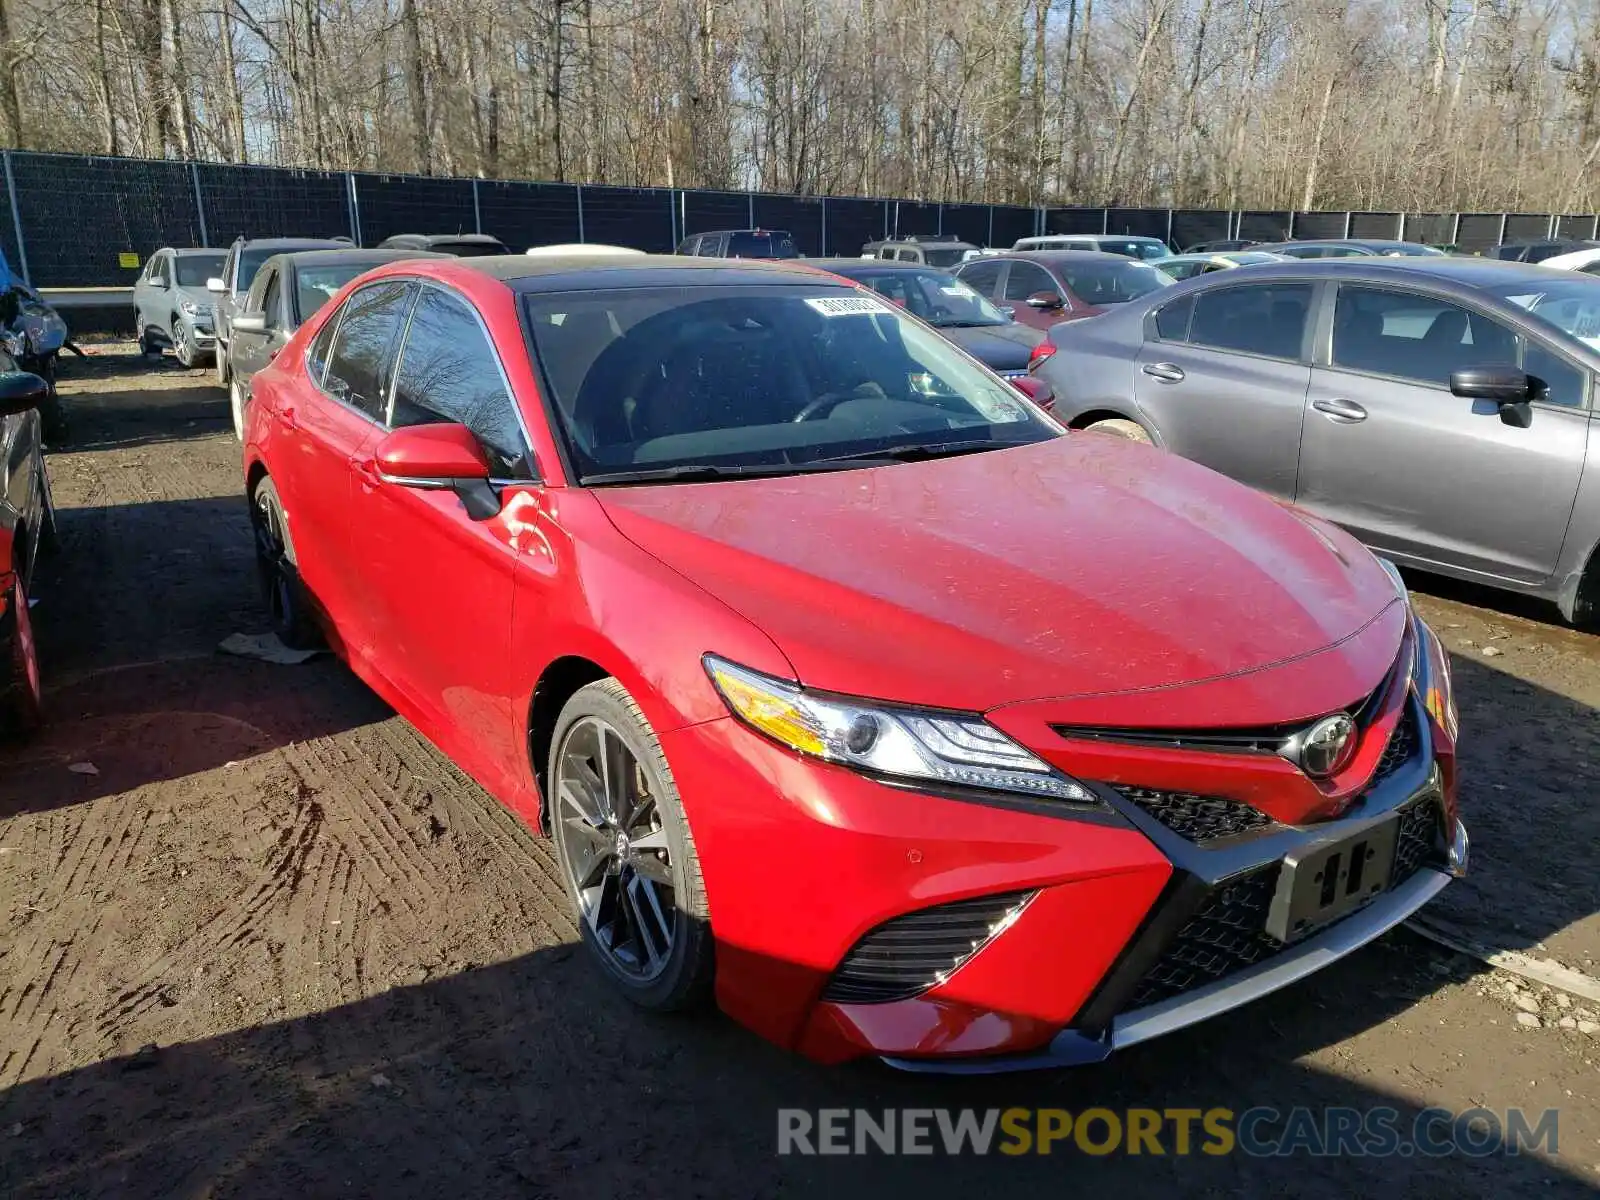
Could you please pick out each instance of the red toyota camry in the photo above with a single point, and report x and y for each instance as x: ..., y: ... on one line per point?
x: 849, y: 687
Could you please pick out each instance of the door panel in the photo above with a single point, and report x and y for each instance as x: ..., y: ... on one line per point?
x: 1390, y: 453
x: 1225, y: 386
x: 1441, y: 479
x: 331, y: 429
x: 440, y: 583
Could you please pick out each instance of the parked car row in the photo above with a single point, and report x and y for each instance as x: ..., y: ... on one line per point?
x: 722, y: 529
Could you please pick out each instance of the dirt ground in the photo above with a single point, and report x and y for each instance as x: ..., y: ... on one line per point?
x: 257, y: 938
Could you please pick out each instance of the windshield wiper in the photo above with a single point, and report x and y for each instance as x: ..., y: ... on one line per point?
x: 921, y: 451
x: 966, y: 324
x: 689, y: 472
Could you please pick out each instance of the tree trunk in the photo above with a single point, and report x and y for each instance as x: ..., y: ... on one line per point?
x: 416, y: 85
x: 10, y: 103
x: 1310, y: 193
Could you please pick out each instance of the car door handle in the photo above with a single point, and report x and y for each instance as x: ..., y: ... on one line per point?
x: 1165, y: 372
x: 1340, y: 409
x: 366, y: 470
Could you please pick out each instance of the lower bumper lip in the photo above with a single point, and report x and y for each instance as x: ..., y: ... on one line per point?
x: 1071, y: 1048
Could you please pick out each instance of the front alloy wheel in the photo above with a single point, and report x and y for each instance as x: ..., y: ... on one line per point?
x: 292, y: 618
x: 626, y: 852
x: 183, y: 345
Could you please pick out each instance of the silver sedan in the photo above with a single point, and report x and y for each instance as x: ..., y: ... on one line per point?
x: 1439, y: 408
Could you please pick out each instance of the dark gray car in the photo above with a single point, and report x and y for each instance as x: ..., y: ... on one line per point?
x: 1442, y: 409
x: 239, y: 272
x: 286, y: 290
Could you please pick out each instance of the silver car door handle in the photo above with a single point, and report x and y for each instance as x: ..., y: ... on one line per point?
x: 1165, y: 372
x: 1340, y: 410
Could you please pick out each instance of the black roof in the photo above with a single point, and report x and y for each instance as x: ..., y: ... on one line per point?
x: 562, y: 271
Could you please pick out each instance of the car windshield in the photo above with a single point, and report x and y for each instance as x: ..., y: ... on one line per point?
x: 761, y: 245
x: 195, y: 269
x: 315, y: 286
x: 1249, y: 258
x: 653, y: 383
x: 1571, y: 306
x: 937, y: 298
x: 1145, y: 248
x: 1110, y: 282
x: 249, y: 263
x: 947, y: 256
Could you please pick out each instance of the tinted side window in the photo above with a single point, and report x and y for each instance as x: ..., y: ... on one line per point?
x: 1414, y: 337
x: 1265, y: 319
x: 317, y: 355
x: 710, y: 247
x: 255, y: 301
x: 1172, y: 322
x: 981, y: 277
x: 1560, y: 381
x: 269, y: 298
x: 1026, y: 279
x: 363, y: 349
x: 449, y: 372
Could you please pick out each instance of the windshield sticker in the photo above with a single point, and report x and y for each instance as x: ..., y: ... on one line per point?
x: 847, y: 306
x: 958, y: 289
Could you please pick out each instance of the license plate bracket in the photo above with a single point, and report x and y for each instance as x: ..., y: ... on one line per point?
x: 1328, y: 880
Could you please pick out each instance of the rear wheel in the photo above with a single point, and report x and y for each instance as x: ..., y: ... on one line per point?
x: 147, y: 345
x: 236, y: 398
x: 220, y: 363
x: 1130, y: 431
x: 626, y: 851
x: 22, y: 709
x: 292, y: 617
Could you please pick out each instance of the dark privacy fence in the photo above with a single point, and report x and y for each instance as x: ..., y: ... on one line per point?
x: 92, y: 221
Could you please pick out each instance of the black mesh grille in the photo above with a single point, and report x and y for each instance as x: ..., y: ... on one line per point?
x: 909, y: 954
x: 1417, y: 842
x: 1201, y: 819
x: 1402, y: 746
x: 1225, y: 936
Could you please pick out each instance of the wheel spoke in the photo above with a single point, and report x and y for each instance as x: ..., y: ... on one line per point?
x: 652, y: 868
x: 579, y: 796
x: 649, y: 928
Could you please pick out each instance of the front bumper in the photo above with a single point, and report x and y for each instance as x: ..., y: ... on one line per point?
x: 810, y: 867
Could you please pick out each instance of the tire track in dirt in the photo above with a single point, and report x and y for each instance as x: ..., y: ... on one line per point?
x: 235, y: 925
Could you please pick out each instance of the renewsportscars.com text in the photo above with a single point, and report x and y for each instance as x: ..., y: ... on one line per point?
x: 1261, y: 1132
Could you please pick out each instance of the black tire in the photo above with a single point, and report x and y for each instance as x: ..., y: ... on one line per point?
x: 293, y: 615
x: 148, y: 348
x: 49, y: 533
x: 684, y: 979
x: 53, y: 426
x: 22, y: 707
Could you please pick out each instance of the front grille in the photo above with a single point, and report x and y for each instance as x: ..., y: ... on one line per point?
x: 1201, y: 819
x: 907, y: 955
x: 1417, y: 842
x: 1402, y: 745
x: 1228, y: 934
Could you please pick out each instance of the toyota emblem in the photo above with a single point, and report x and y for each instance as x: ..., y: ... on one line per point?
x: 1325, y: 748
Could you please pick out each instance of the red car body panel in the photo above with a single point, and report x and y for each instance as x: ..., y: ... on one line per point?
x: 1080, y: 581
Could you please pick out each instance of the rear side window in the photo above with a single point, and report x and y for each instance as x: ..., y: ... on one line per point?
x: 1026, y: 280
x: 1264, y: 319
x: 1172, y: 321
x: 449, y: 372
x: 317, y: 356
x: 710, y: 247
x: 981, y: 277
x: 363, y: 348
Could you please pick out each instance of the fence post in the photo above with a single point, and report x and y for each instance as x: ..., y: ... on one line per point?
x: 750, y: 198
x: 1455, y: 231
x: 824, y: 247
x: 672, y: 218
x: 1349, y: 217
x: 1502, y: 238
x: 355, y: 206
x: 1169, y: 229
x: 579, y: 189
x: 477, y: 213
x: 199, y: 203
x: 989, y: 241
x: 1105, y: 220
x: 16, y: 222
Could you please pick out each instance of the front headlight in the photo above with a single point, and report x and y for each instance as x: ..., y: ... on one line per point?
x: 1394, y: 576
x: 1438, y: 689
x: 899, y: 743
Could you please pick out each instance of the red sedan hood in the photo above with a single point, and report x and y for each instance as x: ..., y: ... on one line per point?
x: 1082, y: 566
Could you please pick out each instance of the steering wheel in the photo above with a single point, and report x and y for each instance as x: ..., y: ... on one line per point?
x: 822, y: 406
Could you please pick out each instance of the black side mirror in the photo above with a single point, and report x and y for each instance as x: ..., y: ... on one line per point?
x: 1044, y: 300
x: 1508, y: 388
x: 20, y: 391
